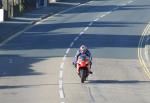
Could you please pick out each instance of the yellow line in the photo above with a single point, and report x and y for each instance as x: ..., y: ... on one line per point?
x: 141, y: 60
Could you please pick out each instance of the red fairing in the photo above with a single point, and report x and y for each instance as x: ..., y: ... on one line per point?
x: 82, y: 64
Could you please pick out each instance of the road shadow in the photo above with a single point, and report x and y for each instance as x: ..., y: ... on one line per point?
x: 106, y: 8
x: 24, y: 86
x: 41, y: 41
x: 15, y: 65
x: 116, y: 81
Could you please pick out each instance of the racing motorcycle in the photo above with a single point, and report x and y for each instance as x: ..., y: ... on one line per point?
x: 83, y: 63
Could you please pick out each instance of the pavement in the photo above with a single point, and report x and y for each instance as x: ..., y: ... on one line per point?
x: 16, y: 24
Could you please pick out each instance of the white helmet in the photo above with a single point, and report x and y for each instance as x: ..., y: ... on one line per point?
x: 83, y: 48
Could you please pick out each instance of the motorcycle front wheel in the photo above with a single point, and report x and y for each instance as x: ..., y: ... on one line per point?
x: 83, y: 75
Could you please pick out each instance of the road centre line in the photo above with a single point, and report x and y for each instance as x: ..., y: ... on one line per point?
x: 107, y: 13
x: 91, y: 23
x: 96, y: 19
x: 85, y: 29
x: 67, y: 50
x: 60, y: 84
x: 130, y: 2
x: 76, y: 38
x: 61, y: 91
x: 81, y: 33
x: 103, y: 15
x: 115, y: 8
x: 64, y: 58
x: 71, y: 44
x: 124, y: 4
x: 61, y: 74
x: 62, y: 64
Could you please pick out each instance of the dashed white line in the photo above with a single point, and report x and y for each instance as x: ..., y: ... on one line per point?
x: 67, y: 50
x: 124, y: 4
x: 60, y: 84
x: 108, y: 12
x: 130, y: 2
x: 60, y: 74
x: 64, y: 58
x: 103, y: 15
x: 62, y: 65
x: 61, y: 93
x: 86, y: 29
x: 76, y: 38
x: 71, y: 44
x: 96, y: 19
x: 91, y: 23
x: 81, y: 33
x: 116, y: 8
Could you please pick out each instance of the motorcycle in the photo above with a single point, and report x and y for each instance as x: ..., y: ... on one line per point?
x: 83, y: 63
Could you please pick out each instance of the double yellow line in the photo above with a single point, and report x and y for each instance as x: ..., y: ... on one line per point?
x: 140, y: 49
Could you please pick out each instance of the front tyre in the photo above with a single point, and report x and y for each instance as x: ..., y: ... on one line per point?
x: 82, y: 75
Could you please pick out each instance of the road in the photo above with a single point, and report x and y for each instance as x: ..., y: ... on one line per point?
x: 36, y: 66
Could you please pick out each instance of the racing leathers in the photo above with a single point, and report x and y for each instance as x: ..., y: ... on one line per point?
x: 80, y: 53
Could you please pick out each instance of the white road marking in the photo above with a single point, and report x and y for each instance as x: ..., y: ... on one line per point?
x: 107, y: 13
x: 103, y: 15
x: 96, y: 19
x: 15, y: 35
x: 76, y: 38
x: 91, y: 23
x: 116, y: 8
x: 130, y: 2
x: 124, y: 4
x: 140, y: 48
x: 61, y: 93
x: 67, y: 50
x: 60, y: 74
x: 64, y: 58
x: 62, y: 65
x: 60, y: 84
x: 85, y: 29
x: 81, y: 33
x: 71, y: 44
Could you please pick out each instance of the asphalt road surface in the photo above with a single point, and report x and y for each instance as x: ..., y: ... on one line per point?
x: 36, y: 66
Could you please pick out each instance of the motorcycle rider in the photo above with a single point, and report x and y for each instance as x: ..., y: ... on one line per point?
x: 83, y: 50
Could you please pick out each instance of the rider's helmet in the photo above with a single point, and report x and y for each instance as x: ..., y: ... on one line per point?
x: 83, y: 48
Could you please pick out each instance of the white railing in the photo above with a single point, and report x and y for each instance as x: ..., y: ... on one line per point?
x: 1, y: 15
